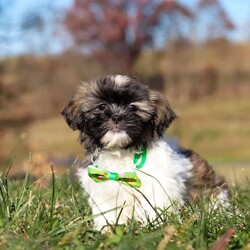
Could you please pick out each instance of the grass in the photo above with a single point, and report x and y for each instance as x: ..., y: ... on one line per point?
x: 57, y: 216
x: 52, y: 213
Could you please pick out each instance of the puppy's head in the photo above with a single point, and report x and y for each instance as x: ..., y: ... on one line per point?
x: 117, y: 111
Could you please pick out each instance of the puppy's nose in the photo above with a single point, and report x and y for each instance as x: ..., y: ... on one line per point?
x: 116, y: 118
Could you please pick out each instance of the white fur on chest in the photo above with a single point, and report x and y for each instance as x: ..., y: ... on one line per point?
x: 163, y: 178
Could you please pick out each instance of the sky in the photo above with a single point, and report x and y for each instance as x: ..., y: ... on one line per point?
x: 238, y: 11
x: 13, y: 42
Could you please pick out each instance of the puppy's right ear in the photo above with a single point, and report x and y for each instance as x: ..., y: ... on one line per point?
x: 72, y: 115
x: 72, y: 112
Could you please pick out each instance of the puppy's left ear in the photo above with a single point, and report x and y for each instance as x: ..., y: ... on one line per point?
x: 164, y: 115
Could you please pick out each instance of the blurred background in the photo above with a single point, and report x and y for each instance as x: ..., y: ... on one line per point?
x: 194, y: 51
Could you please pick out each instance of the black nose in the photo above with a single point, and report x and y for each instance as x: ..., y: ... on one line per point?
x: 116, y: 118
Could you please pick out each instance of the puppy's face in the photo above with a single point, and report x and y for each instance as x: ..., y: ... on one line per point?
x: 117, y: 112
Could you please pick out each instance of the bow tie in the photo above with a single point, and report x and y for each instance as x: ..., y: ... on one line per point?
x: 127, y: 178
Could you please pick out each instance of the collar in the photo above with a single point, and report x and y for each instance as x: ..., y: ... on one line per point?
x: 140, y: 158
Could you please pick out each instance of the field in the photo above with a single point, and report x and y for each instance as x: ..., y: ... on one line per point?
x: 41, y: 210
x: 48, y: 210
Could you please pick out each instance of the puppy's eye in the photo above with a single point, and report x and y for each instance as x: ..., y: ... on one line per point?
x: 102, y: 106
x: 131, y: 107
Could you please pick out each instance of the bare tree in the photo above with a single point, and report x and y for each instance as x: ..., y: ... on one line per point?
x: 120, y: 29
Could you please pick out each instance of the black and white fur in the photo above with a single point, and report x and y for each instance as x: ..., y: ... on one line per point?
x: 117, y: 116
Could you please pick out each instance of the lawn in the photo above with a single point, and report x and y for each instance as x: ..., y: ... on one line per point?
x: 52, y: 213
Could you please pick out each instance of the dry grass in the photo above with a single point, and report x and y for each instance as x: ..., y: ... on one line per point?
x: 216, y: 128
x: 54, y: 137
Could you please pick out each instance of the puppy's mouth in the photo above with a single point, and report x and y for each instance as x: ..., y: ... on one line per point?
x: 116, y: 137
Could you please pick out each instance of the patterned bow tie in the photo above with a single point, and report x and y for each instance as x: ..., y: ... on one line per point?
x: 127, y: 178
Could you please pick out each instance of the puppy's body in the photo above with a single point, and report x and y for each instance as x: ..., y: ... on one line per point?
x: 117, y: 116
x: 163, y: 179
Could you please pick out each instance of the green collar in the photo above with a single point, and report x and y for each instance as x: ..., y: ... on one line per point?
x: 140, y: 158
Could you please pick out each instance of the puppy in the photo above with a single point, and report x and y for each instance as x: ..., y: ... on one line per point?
x: 134, y: 170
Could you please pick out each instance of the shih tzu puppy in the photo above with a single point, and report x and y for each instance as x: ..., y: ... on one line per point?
x: 134, y: 171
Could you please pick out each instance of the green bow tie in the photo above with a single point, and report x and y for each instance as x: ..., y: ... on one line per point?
x: 127, y: 178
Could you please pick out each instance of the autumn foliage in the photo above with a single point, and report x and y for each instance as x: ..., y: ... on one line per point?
x: 122, y: 29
